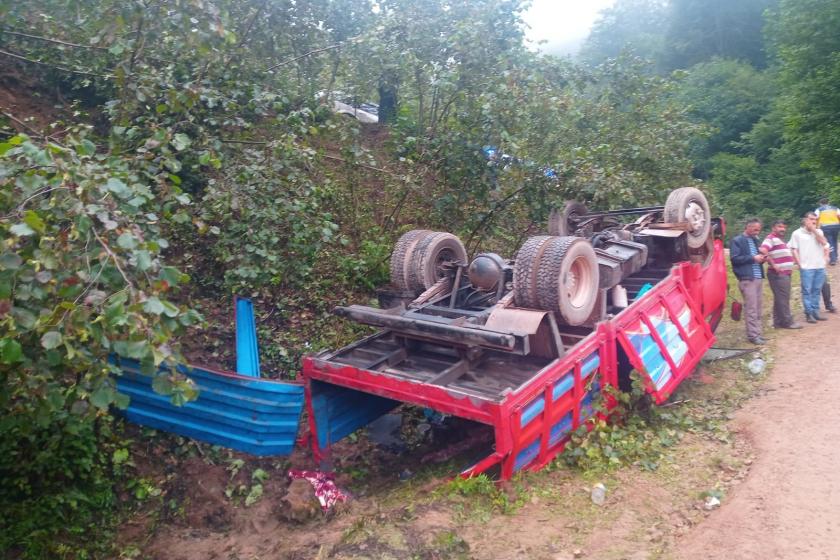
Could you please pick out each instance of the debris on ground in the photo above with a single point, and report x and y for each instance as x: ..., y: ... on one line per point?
x: 711, y: 503
x: 599, y: 494
x: 756, y: 366
x: 714, y: 353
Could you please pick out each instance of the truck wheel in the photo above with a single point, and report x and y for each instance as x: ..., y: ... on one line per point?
x: 402, y: 256
x: 689, y: 204
x: 432, y: 251
x: 563, y: 222
x: 525, y: 271
x: 567, y: 279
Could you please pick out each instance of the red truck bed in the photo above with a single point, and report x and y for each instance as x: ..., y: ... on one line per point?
x: 533, y: 404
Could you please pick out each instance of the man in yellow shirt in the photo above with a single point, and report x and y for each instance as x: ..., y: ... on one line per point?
x: 828, y: 220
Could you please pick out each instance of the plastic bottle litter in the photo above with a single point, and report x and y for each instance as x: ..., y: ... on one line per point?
x: 756, y: 366
x: 599, y: 494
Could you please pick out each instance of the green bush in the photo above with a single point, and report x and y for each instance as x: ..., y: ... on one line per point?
x: 81, y: 279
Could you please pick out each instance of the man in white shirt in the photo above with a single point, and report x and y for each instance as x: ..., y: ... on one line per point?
x: 810, y: 252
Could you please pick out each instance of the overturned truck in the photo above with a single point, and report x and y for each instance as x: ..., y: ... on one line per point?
x: 528, y: 345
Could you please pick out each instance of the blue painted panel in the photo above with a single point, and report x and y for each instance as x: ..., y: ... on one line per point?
x: 340, y: 411
x: 590, y: 364
x: 247, y: 350
x: 524, y: 457
x: 561, y: 387
x: 257, y: 416
x: 532, y: 410
x: 560, y: 429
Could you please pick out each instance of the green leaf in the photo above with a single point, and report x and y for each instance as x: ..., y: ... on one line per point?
x: 103, y: 396
x: 144, y: 260
x: 121, y: 401
x: 170, y: 310
x: 162, y: 384
x: 153, y: 305
x: 259, y: 475
x: 120, y: 456
x: 85, y: 148
x: 25, y: 318
x: 21, y: 230
x: 51, y: 339
x: 127, y: 241
x: 137, y: 349
x: 171, y: 275
x: 118, y: 187
x: 115, y: 314
x: 10, y: 351
x: 10, y: 261
x: 181, y: 141
x: 33, y: 220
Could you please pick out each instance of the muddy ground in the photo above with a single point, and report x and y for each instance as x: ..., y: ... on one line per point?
x: 764, y: 445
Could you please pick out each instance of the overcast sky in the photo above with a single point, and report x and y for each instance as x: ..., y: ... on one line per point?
x: 563, y: 24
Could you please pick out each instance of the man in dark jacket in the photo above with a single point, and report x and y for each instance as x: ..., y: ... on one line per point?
x: 747, y: 264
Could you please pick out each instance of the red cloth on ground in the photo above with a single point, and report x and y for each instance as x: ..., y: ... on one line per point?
x: 326, y: 491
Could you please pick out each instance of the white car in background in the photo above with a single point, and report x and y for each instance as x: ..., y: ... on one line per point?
x: 343, y: 104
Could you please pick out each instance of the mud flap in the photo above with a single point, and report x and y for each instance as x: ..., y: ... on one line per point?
x: 665, y: 335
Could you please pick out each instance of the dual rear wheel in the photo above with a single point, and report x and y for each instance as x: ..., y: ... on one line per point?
x: 421, y: 256
x: 558, y: 274
x: 552, y: 273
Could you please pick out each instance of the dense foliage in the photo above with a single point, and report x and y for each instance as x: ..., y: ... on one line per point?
x: 758, y: 73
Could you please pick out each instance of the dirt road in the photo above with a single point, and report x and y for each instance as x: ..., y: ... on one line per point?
x: 789, y: 505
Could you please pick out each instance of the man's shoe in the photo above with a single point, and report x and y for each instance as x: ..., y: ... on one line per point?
x: 793, y: 326
x: 758, y: 341
x: 818, y: 317
x: 831, y: 309
x: 810, y: 319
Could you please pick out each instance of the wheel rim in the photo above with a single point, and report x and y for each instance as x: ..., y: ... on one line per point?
x: 576, y: 281
x: 695, y: 216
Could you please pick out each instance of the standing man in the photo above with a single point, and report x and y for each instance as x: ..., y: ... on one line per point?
x: 747, y: 264
x: 826, y: 294
x: 810, y: 251
x: 828, y: 220
x: 780, y: 260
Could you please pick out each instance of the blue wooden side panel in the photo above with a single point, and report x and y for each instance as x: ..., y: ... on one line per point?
x: 257, y: 416
x: 247, y: 350
x: 563, y: 427
x: 340, y: 411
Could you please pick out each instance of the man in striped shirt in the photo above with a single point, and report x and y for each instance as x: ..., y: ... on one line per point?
x: 780, y: 259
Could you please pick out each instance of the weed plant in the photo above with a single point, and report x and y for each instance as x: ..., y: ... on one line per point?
x: 637, y: 433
